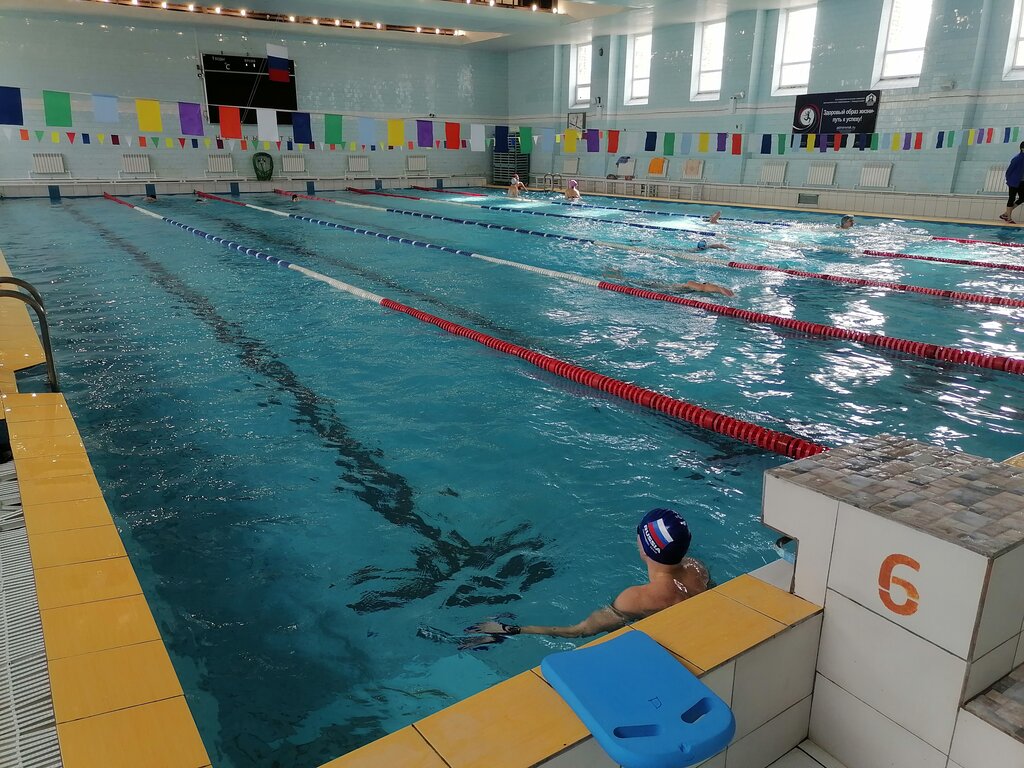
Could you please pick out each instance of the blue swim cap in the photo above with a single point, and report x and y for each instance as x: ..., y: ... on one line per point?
x: 664, y: 536
x: 702, y: 245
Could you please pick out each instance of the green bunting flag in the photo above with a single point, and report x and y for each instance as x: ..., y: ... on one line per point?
x: 333, y: 129
x: 57, y: 109
x: 525, y: 140
x: 670, y: 144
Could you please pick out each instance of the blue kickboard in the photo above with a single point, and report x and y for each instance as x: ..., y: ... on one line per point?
x: 642, y: 705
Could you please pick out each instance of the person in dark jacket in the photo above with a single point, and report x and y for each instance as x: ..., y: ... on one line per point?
x: 1015, y: 181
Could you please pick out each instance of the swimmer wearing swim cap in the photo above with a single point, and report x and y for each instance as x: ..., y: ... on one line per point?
x: 703, y: 245
x: 572, y: 190
x: 846, y: 222
x: 515, y: 186
x: 663, y: 540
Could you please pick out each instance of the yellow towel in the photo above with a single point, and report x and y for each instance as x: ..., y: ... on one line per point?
x: 657, y: 167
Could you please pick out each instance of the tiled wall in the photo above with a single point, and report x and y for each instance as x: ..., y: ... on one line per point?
x: 349, y: 75
x: 965, y: 45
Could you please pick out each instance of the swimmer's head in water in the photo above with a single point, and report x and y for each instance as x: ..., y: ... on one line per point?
x: 573, y: 183
x: 702, y: 245
x: 664, y: 536
x: 846, y: 222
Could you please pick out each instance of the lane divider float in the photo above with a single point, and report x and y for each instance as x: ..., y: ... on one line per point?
x: 744, y: 431
x: 977, y: 298
x: 918, y: 348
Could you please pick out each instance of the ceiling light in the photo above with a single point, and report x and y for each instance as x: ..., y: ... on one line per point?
x: 378, y: 25
x: 217, y: 9
x: 291, y: 18
x: 242, y: 12
x: 135, y: 2
x: 191, y: 6
x: 164, y: 5
x: 316, y: 21
x: 437, y: 30
x: 337, y: 22
x: 492, y: 3
x: 533, y: 7
x: 358, y: 23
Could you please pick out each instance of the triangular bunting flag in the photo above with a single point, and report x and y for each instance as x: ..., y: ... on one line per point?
x: 39, y: 135
x: 278, y: 144
x: 71, y: 136
x: 101, y: 137
x: 24, y: 135
x: 8, y: 132
x: 128, y: 140
x: 181, y: 141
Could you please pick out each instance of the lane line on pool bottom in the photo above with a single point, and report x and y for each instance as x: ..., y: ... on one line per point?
x: 744, y: 431
x: 918, y: 348
x: 941, y: 293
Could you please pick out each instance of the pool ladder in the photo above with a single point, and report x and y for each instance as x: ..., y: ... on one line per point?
x: 34, y: 300
x: 550, y: 180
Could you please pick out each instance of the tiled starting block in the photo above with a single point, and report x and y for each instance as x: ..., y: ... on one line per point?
x: 641, y: 704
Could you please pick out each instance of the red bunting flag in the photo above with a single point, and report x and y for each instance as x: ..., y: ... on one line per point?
x: 918, y: 140
x: 181, y: 141
x: 453, y: 136
x: 244, y: 145
x: 142, y: 141
x: 230, y: 123
x: 737, y: 143
x: 24, y: 134
x: 71, y: 137
x: 837, y: 141
x: 613, y: 142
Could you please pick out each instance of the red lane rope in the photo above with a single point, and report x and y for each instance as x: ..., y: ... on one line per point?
x: 745, y: 431
x: 208, y: 196
x: 982, y: 242
x: 380, y: 194
x: 119, y: 201
x: 919, y: 348
x: 448, y: 191
x: 304, y: 197
x: 990, y: 265
x: 979, y: 298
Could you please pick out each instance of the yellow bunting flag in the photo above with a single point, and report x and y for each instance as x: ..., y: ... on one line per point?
x: 897, y: 141
x: 169, y: 143
x: 571, y: 136
x: 266, y: 145
x: 396, y: 133
x: 970, y: 137
x: 148, y: 112
x: 811, y: 141
x: 702, y: 142
x: 206, y: 143
x: 352, y: 146
x: 55, y: 137
x: 101, y: 137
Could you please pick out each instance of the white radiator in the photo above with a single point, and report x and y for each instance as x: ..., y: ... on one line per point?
x: 995, y: 180
x: 821, y: 174
x: 220, y: 164
x: 693, y: 170
x: 48, y: 163
x: 416, y: 163
x: 875, y: 176
x: 293, y: 164
x: 570, y: 166
x: 773, y: 172
x: 135, y: 164
x: 358, y: 163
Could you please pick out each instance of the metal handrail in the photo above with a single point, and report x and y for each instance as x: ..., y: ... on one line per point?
x: 557, y: 177
x: 44, y: 328
x: 26, y: 285
x: 548, y: 181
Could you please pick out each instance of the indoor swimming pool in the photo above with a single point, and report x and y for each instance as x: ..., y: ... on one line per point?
x: 318, y: 493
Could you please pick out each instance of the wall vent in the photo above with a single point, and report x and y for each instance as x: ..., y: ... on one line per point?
x: 875, y: 175
x: 293, y: 164
x: 806, y: 198
x: 48, y: 163
x: 220, y: 164
x: 821, y: 174
x: 773, y: 172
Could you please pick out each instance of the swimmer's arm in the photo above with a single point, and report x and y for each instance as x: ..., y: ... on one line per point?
x: 693, y: 285
x: 632, y: 602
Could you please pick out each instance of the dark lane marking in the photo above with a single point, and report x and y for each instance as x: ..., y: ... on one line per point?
x: 442, y: 556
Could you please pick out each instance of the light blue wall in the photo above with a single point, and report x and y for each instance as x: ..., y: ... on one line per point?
x: 965, y: 45
x: 344, y: 75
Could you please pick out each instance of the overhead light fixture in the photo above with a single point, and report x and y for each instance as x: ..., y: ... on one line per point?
x: 315, y: 21
x: 437, y: 30
x: 358, y: 24
x: 291, y: 18
x: 191, y: 6
x: 337, y: 22
x: 242, y: 12
x: 378, y: 25
x: 217, y: 9
x: 164, y: 5
x: 419, y: 29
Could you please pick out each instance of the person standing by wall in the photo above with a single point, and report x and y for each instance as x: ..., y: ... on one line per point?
x: 1014, y: 180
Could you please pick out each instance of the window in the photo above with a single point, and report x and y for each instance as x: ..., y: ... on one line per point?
x: 638, y: 72
x: 581, y: 75
x: 793, y: 50
x: 901, y: 42
x: 709, y: 53
x: 1014, y: 69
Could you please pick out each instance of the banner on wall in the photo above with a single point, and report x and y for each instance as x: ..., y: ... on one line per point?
x: 840, y: 112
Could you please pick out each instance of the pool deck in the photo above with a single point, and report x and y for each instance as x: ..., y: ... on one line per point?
x: 116, y: 698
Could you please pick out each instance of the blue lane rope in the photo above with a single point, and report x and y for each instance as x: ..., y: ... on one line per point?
x: 229, y: 243
x: 667, y: 213
x: 487, y: 225
x: 604, y: 221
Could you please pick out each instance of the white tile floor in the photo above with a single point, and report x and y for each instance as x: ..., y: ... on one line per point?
x: 807, y: 755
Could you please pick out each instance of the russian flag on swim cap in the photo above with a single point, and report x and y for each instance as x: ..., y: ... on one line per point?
x: 664, y: 536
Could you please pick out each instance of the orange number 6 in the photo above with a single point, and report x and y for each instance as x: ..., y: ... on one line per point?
x: 886, y: 580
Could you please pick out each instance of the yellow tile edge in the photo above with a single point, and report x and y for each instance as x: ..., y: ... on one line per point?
x: 169, y: 724
x: 774, y: 609
x: 1015, y: 461
x: 7, y: 383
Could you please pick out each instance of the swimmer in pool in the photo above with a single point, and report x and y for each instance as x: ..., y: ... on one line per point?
x: 703, y: 245
x: 714, y: 217
x: 846, y: 222
x: 515, y: 186
x: 572, y: 191
x: 295, y: 198
x: 663, y: 539
x: 197, y: 198
x: 687, y: 287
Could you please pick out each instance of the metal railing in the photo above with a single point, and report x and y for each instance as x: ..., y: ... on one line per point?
x: 35, y: 300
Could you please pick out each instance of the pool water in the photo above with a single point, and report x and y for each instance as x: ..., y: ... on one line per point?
x: 319, y: 493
